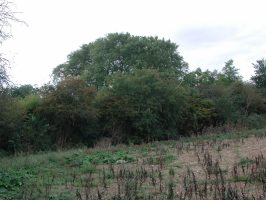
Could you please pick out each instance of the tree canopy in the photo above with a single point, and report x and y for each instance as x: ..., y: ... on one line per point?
x: 123, y: 53
x: 260, y: 73
x: 229, y: 74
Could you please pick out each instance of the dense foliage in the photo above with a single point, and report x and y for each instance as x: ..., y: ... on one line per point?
x: 131, y: 89
x: 142, y: 106
x: 123, y: 53
x: 260, y: 73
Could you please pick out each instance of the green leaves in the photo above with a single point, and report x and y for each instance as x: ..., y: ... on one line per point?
x: 226, y: 77
x: 229, y: 74
x: 145, y: 105
x: 260, y: 73
x: 11, y: 181
x: 69, y: 112
x: 121, y: 53
x: 109, y: 157
x: 99, y: 157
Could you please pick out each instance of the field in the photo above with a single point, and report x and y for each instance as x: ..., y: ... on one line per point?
x: 213, y: 166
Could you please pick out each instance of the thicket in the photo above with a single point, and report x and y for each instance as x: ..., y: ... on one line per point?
x: 131, y: 89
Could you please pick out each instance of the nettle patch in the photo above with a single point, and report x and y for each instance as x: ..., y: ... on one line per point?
x: 100, y: 157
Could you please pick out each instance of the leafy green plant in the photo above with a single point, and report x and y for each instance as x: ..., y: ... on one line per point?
x: 108, y: 157
x: 99, y: 157
x: 11, y: 181
x: 246, y: 161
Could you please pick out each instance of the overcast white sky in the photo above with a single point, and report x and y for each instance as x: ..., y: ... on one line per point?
x: 208, y: 32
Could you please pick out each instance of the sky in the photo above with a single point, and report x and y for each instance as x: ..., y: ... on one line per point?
x: 208, y: 32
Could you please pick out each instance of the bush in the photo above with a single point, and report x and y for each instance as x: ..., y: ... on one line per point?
x: 255, y: 121
x: 69, y: 113
x: 142, y: 106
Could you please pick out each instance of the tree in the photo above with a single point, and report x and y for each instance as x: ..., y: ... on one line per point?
x: 77, y: 63
x: 246, y: 99
x: 23, y: 91
x: 229, y: 74
x: 3, y: 73
x: 142, y: 106
x: 69, y: 113
x: 6, y: 17
x: 260, y: 73
x: 12, y: 115
x: 123, y: 53
x: 199, y: 78
x: 219, y: 96
x: 200, y: 113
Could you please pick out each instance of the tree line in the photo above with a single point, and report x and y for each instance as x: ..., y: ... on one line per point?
x: 132, y: 89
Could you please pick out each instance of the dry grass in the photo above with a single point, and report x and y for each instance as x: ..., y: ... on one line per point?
x: 198, y: 168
